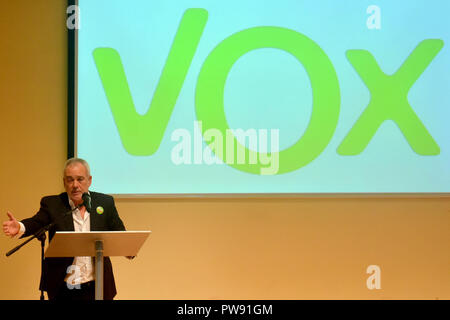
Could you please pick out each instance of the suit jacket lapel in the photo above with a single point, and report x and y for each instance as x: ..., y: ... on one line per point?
x: 68, y: 220
x: 92, y: 215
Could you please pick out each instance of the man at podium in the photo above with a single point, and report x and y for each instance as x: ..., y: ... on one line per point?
x: 72, y: 278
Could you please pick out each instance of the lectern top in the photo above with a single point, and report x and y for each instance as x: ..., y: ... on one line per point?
x: 79, y: 244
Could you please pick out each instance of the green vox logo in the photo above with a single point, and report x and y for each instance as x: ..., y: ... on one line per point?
x: 141, y: 135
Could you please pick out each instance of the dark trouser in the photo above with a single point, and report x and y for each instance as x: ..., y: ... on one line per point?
x: 85, y: 291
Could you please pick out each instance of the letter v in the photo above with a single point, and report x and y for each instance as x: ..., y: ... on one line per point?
x: 389, y: 100
x: 141, y: 135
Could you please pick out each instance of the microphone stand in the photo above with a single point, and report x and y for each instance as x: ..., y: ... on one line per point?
x: 40, y: 235
x: 42, y: 238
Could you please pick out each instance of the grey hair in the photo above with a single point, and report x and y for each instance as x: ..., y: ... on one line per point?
x: 77, y: 160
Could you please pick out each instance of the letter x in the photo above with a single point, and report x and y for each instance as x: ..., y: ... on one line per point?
x: 389, y: 100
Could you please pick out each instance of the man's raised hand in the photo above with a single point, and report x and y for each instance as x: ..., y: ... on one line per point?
x: 11, y: 227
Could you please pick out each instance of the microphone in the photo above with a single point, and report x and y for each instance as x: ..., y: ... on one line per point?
x: 87, y: 201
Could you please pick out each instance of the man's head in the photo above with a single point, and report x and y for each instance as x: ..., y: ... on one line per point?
x: 77, y: 179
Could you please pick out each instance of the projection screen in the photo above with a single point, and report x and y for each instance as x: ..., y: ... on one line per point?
x: 261, y: 97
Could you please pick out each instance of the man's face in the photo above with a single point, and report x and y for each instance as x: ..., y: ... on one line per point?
x: 76, y: 182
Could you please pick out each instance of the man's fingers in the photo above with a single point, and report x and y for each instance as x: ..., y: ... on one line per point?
x: 9, y: 228
x: 6, y: 225
x: 6, y: 229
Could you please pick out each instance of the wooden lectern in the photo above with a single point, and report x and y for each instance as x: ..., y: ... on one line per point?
x: 96, y: 244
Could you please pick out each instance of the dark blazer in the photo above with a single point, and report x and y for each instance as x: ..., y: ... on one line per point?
x: 52, y: 210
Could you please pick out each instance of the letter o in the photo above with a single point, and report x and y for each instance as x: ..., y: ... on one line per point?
x: 324, y: 83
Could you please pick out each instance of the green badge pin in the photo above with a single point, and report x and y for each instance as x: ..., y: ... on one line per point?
x: 100, y: 210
